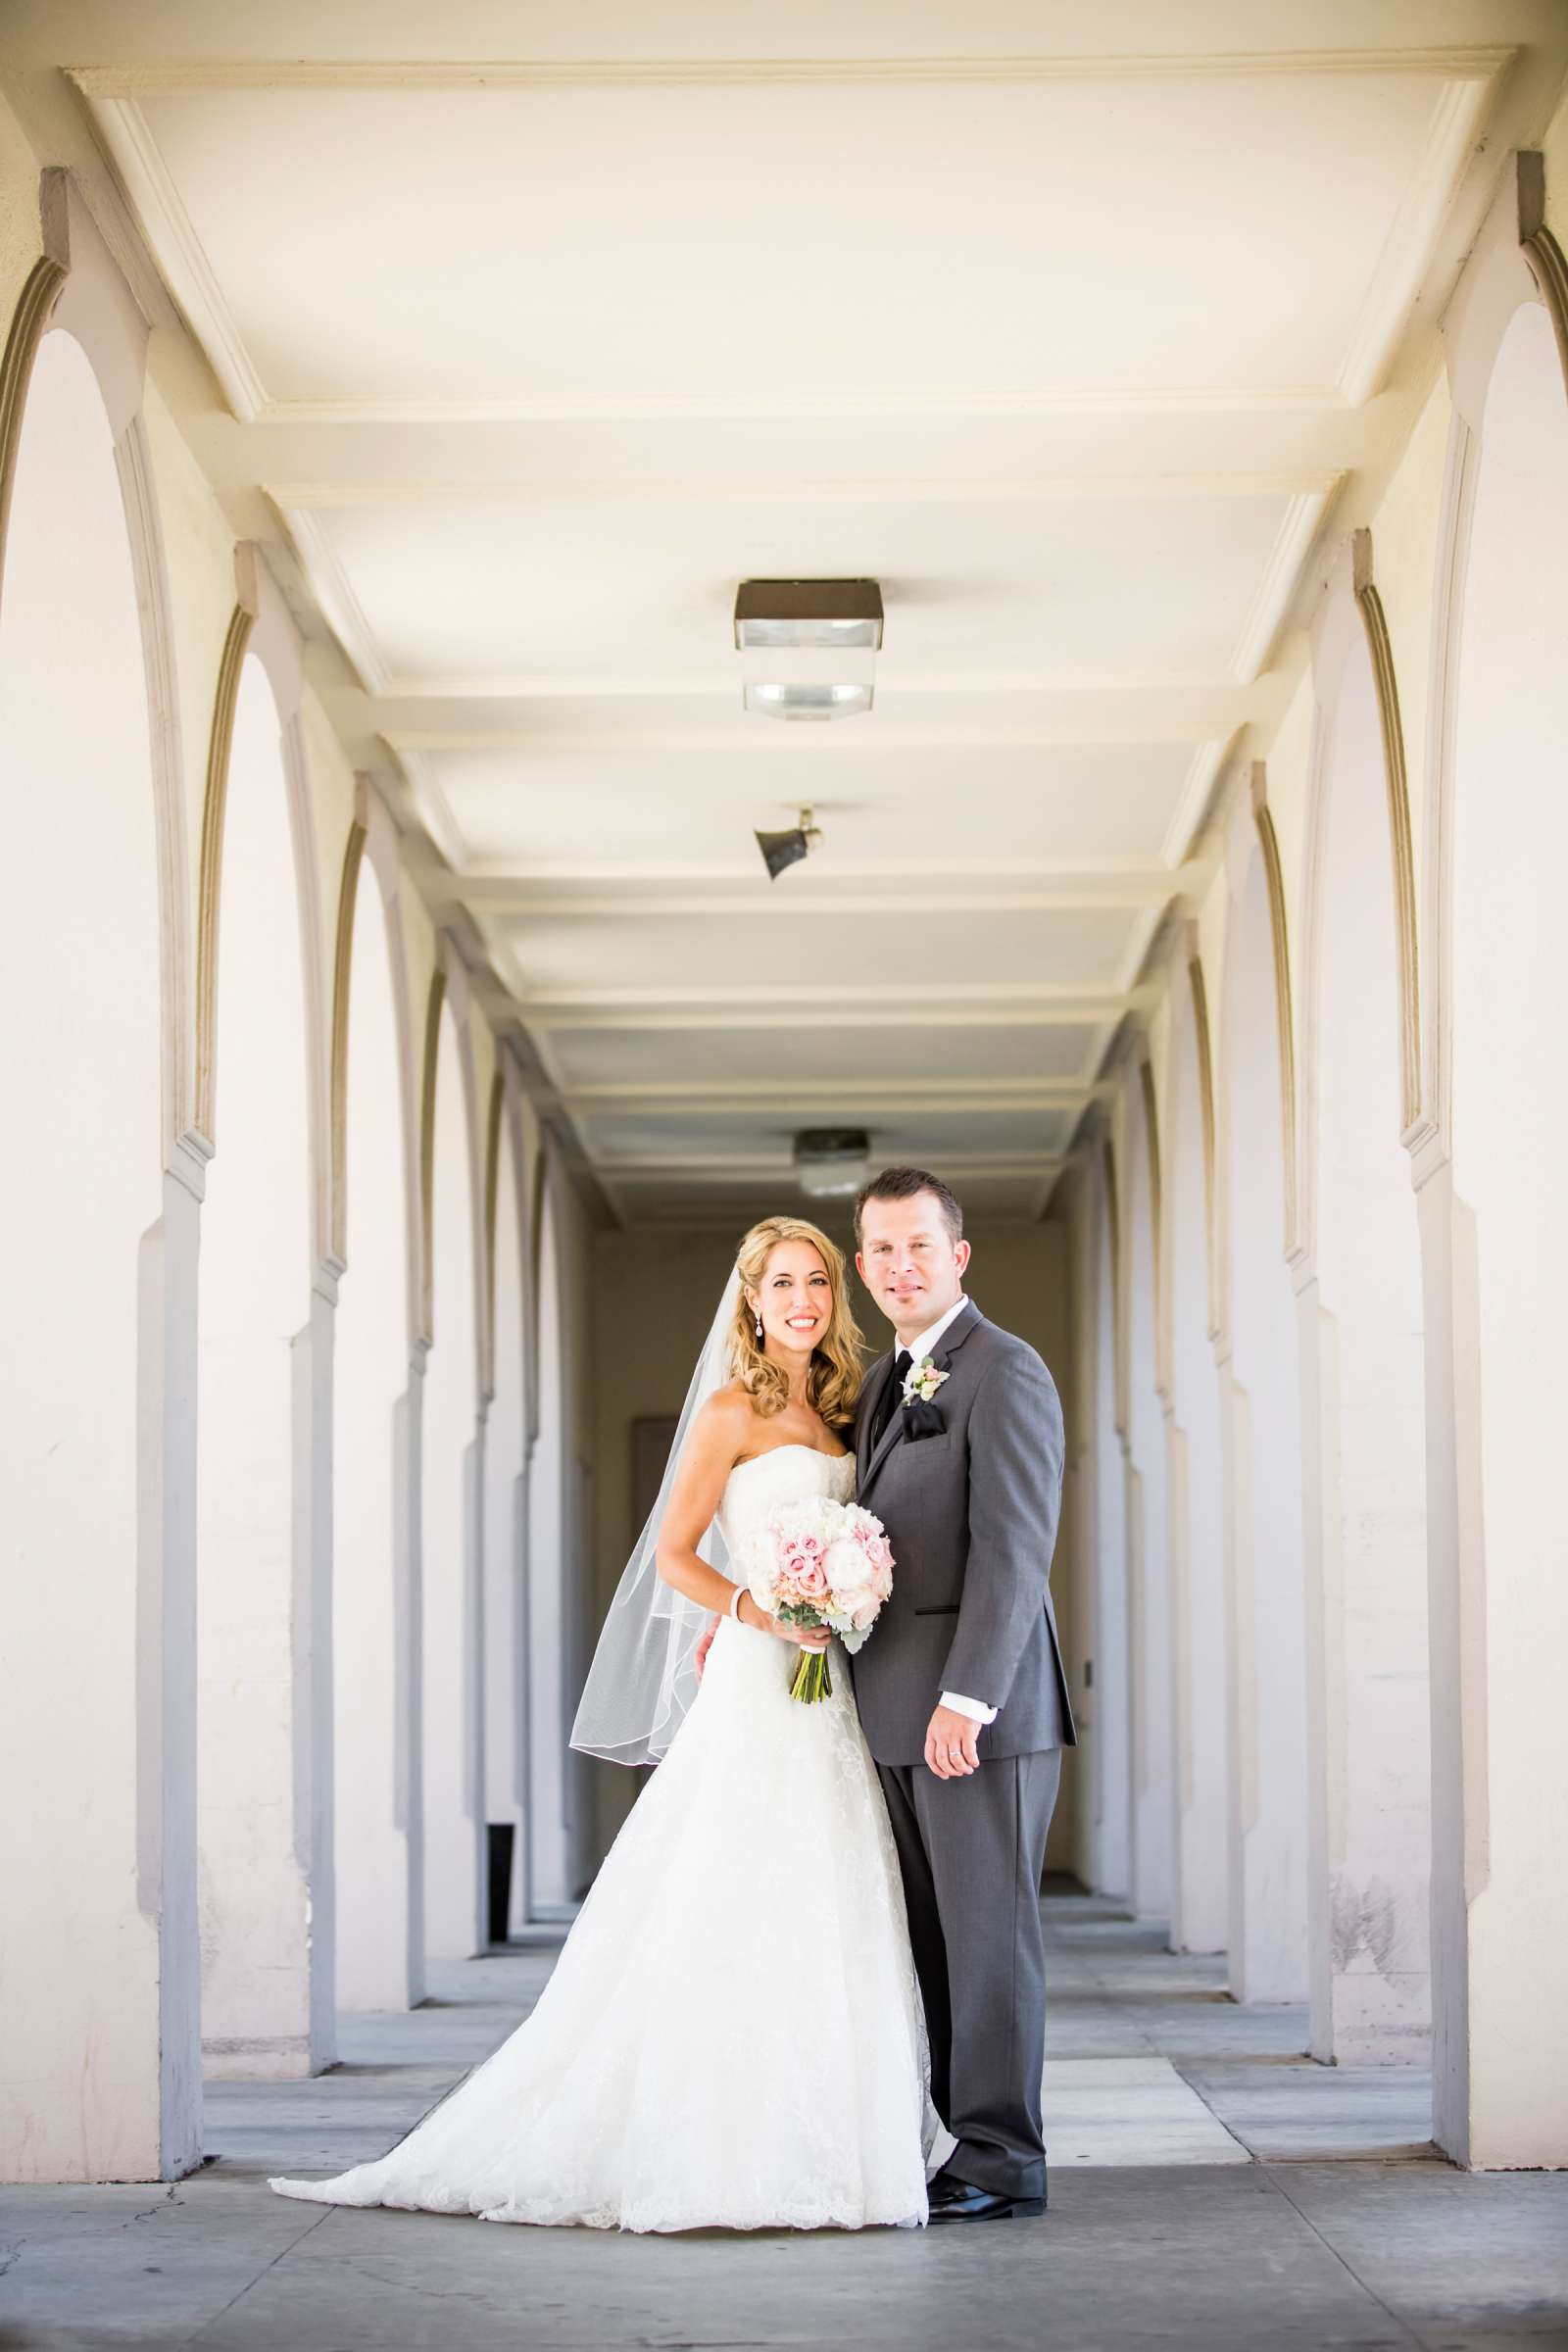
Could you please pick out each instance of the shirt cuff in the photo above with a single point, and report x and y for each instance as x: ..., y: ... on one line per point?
x: 968, y: 1706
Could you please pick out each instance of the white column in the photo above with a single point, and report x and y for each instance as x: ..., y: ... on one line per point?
x: 1110, y: 1691
x: 549, y: 1878
x: 1363, y: 1446
x: 1262, y: 1436
x: 1197, y: 1535
x: 504, y: 1527
x: 451, y: 1593
x: 375, y: 1498
x: 1148, y: 1553
x: 99, y: 2061
x: 1495, y: 1277
x: 257, y: 1757
x: 313, y: 1797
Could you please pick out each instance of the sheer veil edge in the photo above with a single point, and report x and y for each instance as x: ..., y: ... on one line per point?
x: 643, y: 1676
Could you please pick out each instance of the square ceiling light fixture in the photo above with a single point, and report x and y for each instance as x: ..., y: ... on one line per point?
x: 831, y: 1161
x: 808, y: 647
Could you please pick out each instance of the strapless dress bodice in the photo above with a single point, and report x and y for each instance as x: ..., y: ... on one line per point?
x: 785, y: 1474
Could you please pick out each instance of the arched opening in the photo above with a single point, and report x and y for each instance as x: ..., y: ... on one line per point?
x: 81, y: 1658
x: 1369, y: 1720
x: 1197, y: 1523
x: 255, y: 1888
x: 380, y: 1959
x: 1501, y: 1755
x: 505, y: 1550
x: 451, y: 1599
x: 1261, y: 1404
x: 1109, y: 1711
x: 549, y: 1886
x: 1147, y: 1549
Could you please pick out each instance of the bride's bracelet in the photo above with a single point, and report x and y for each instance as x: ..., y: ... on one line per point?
x: 735, y: 1599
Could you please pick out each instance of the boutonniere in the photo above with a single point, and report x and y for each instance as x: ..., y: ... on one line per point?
x: 922, y: 1383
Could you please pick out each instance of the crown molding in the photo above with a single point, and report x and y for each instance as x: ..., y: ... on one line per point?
x: 434, y: 808
x: 328, y: 580
x: 1192, y: 801
x: 170, y: 236
x: 1453, y: 134
x: 1298, y: 529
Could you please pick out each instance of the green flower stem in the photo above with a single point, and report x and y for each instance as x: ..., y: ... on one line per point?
x: 812, y: 1681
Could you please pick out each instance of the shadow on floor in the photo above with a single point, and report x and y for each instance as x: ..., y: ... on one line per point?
x: 1211, y: 2188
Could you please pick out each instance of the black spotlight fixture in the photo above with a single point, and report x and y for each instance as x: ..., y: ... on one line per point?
x: 782, y: 850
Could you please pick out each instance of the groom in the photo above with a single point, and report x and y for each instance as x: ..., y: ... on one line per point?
x: 961, y: 1689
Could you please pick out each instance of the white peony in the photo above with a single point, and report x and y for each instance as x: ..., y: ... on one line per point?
x: 846, y: 1566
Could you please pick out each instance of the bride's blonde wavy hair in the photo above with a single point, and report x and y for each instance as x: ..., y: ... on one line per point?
x: 833, y: 1381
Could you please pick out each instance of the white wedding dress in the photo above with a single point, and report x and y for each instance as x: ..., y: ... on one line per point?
x: 733, y: 2033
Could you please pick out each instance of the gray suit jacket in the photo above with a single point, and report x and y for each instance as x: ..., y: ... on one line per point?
x: 970, y: 1511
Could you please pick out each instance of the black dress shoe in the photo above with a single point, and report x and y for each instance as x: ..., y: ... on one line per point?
x: 960, y: 2201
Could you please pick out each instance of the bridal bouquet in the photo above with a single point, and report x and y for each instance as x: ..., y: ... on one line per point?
x: 821, y: 1562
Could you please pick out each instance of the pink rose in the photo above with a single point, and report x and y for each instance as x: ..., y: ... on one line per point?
x: 810, y: 1581
x: 865, y: 1615
x: 879, y: 1551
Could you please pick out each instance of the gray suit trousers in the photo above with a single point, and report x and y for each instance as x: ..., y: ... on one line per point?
x: 972, y: 1852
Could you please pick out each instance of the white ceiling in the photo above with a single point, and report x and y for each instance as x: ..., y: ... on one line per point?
x: 537, y: 329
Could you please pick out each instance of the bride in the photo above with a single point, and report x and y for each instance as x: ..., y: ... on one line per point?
x: 733, y: 2033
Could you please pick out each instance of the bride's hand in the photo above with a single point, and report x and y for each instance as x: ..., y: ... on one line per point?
x: 804, y: 1637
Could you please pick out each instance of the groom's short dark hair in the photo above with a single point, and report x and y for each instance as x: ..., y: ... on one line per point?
x: 904, y: 1184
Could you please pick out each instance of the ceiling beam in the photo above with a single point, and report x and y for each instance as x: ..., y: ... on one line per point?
x: 878, y: 890
x: 930, y: 1013
x: 889, y: 1097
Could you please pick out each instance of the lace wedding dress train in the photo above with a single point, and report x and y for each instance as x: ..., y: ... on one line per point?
x: 733, y: 2033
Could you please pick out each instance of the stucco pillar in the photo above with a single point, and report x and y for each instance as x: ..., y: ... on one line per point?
x: 1499, y: 1730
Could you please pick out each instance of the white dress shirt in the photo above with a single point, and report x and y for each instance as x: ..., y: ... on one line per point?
x: 920, y: 1348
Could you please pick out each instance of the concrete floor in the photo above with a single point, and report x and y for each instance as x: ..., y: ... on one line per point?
x: 1210, y: 2187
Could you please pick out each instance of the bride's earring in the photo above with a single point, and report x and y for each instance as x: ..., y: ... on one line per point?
x: 759, y: 1326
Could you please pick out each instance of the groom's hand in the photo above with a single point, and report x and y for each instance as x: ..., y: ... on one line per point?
x: 704, y: 1647
x: 952, y: 1744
